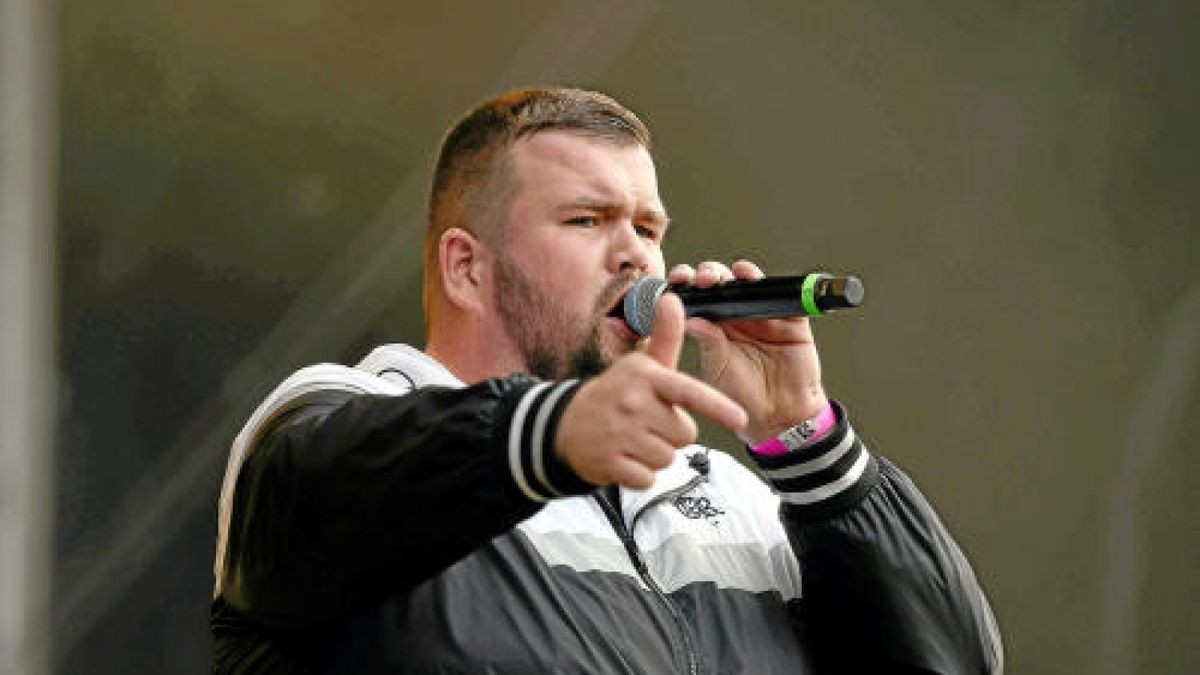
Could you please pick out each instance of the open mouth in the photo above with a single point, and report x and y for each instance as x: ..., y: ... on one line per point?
x: 616, y: 314
x: 617, y: 309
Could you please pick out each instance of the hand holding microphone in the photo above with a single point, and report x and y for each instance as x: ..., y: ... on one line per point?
x: 754, y: 338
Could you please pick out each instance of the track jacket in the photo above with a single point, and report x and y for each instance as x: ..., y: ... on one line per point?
x: 388, y: 519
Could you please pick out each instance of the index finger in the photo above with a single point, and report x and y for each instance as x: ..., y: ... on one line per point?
x: 681, y: 389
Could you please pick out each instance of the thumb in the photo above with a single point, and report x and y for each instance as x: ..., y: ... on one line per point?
x: 666, y: 342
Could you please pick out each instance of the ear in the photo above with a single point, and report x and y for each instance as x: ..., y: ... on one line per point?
x: 463, y: 259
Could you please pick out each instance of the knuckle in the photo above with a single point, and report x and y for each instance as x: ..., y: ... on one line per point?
x: 634, y: 362
x: 682, y: 437
x: 663, y: 457
x: 688, y: 426
x: 685, y: 430
x: 646, y: 364
x: 629, y: 401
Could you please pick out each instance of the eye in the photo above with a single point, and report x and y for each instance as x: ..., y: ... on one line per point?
x: 583, y: 221
x: 647, y: 232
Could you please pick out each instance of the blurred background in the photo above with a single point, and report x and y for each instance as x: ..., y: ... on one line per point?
x: 202, y: 197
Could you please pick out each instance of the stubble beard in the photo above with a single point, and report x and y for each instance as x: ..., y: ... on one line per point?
x: 554, y: 342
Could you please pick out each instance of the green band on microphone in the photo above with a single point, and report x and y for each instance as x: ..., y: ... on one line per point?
x: 808, y: 295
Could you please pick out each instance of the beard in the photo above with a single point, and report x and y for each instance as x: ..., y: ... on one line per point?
x: 555, y: 343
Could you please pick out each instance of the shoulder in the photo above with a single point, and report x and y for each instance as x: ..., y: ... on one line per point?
x: 388, y: 370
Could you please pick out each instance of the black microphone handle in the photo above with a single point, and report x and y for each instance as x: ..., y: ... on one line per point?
x: 811, y: 294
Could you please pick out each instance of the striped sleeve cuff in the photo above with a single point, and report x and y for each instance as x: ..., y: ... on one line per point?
x: 528, y: 442
x: 830, y: 474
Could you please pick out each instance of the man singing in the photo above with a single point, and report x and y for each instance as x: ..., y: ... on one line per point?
x: 526, y: 495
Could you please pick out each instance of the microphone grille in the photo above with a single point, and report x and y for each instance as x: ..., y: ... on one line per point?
x: 640, y: 304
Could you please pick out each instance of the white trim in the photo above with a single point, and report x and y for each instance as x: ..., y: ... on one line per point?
x: 830, y: 489
x: 816, y: 464
x: 514, y: 441
x: 539, y: 432
x: 417, y: 366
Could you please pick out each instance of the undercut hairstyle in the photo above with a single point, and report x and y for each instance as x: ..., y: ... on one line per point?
x: 472, y: 181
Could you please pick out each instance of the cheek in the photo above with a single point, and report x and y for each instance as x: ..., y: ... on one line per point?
x: 658, y: 264
x: 571, y: 266
x: 561, y: 285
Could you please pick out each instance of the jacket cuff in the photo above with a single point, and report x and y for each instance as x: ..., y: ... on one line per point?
x: 526, y: 433
x: 828, y: 475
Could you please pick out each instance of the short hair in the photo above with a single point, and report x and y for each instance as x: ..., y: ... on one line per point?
x: 471, y: 183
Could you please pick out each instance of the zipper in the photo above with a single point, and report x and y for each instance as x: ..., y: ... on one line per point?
x: 663, y: 497
x: 635, y: 555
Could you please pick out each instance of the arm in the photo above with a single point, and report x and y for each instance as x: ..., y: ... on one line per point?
x: 361, y: 497
x: 886, y: 589
x: 356, y: 499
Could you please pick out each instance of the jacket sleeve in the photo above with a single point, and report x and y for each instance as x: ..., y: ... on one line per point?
x: 355, y: 499
x: 886, y: 589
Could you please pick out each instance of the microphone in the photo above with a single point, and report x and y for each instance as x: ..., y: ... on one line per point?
x: 811, y: 294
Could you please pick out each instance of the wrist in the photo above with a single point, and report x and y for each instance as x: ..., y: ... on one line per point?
x: 800, y: 435
x: 787, y: 416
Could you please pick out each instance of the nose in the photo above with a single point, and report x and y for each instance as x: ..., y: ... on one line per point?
x: 628, y: 250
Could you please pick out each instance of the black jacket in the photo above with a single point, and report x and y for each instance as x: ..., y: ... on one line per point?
x: 434, y: 531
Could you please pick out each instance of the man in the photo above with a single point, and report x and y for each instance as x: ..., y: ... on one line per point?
x: 524, y: 495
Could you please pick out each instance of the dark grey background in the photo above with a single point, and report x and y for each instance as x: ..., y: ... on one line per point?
x: 242, y: 188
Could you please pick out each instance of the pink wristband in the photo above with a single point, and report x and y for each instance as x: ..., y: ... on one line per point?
x: 771, y: 448
x: 807, y: 432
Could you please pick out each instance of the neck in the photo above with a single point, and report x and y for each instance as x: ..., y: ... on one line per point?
x: 471, y: 351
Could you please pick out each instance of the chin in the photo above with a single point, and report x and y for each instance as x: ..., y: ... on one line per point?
x: 614, y: 347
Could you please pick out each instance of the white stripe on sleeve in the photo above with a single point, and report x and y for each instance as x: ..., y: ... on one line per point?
x: 514, y: 441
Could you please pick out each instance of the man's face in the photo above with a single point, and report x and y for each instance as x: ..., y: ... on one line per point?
x: 584, y: 221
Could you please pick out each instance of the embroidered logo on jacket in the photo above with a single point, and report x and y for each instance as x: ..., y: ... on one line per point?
x: 697, y: 507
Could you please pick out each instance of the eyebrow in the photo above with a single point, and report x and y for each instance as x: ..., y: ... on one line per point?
x: 658, y: 218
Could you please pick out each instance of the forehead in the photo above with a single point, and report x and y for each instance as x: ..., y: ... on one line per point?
x: 571, y: 165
